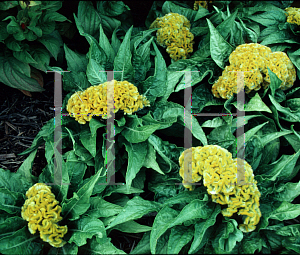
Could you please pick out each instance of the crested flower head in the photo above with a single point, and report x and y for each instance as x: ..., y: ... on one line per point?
x: 229, y: 181
x: 42, y: 212
x: 293, y: 15
x: 254, y: 59
x: 93, y: 101
x: 174, y: 34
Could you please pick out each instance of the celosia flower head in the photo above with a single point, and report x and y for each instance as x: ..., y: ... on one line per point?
x: 254, y: 59
x: 93, y: 101
x: 203, y: 4
x: 293, y: 15
x: 219, y: 172
x: 42, y: 212
x: 174, y: 34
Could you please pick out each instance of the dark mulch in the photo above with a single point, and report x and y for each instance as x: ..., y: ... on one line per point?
x: 21, y: 118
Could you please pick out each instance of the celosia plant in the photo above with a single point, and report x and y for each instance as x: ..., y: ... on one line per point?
x: 255, y: 59
x: 42, y: 212
x: 219, y: 172
x: 174, y: 34
x: 93, y: 101
x: 293, y: 15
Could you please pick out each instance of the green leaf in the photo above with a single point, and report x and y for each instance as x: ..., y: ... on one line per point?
x: 136, y: 157
x: 179, y: 237
x: 143, y: 247
x: 275, y: 82
x: 79, y: 203
x: 134, y: 209
x: 95, y: 73
x: 86, y: 227
x: 288, y: 115
x: 13, y: 181
x: 54, y: 16
x: 157, y: 143
x: 76, y: 62
x: 185, y: 197
x: 52, y: 42
x: 20, y: 242
x: 3, y: 32
x: 201, y: 230
x: 115, y: 42
x: 286, y: 211
x: 169, y: 6
x: 288, y: 192
x: 36, y: 30
x: 25, y: 168
x: 141, y: 62
x: 290, y: 230
x: 120, y: 189
x: 101, y: 208
x: 88, y: 141
x: 167, y: 110
x: 108, y: 49
x: 152, y: 86
x: 227, y: 236
x: 282, y: 168
x: 269, y: 18
x: 221, y: 136
x: 220, y: 49
x: 10, y: 225
x: 134, y: 134
x: 102, y: 246
x: 24, y: 57
x: 132, y: 227
x: 13, y: 75
x: 89, y: 18
x: 252, y: 242
x: 256, y: 104
x: 14, y: 28
x: 5, y: 5
x: 122, y: 62
x: 197, y: 209
x: 67, y: 249
x: 41, y: 57
x: 9, y: 200
x: 111, y: 9
x: 161, y: 223
x: 150, y: 159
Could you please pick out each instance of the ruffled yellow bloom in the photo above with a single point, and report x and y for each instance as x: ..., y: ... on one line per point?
x: 220, y: 176
x: 42, y: 212
x: 255, y: 59
x: 293, y: 15
x: 93, y: 101
x: 174, y: 34
x: 203, y: 4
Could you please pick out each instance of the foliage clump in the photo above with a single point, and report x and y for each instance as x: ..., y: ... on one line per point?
x: 254, y: 59
x: 174, y: 33
x: 93, y: 101
x: 42, y: 211
x: 220, y: 176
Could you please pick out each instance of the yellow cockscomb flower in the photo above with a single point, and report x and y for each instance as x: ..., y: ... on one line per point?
x: 293, y: 15
x: 42, y: 212
x: 93, y: 101
x: 203, y: 4
x: 174, y: 34
x: 220, y: 176
x: 255, y: 60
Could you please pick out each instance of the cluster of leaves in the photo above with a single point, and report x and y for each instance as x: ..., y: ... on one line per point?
x: 29, y: 39
x: 185, y: 222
